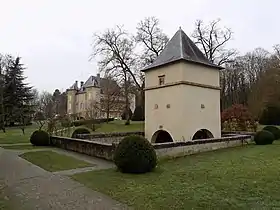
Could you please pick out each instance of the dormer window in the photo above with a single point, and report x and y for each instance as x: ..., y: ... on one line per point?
x: 161, y: 80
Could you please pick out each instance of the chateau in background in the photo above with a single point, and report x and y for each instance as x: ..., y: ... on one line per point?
x: 182, y: 94
x: 96, y: 97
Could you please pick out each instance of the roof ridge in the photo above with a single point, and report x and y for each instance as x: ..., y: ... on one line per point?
x: 181, y: 44
x: 181, y: 47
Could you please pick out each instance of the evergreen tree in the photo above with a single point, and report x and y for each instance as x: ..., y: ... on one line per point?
x: 18, y: 95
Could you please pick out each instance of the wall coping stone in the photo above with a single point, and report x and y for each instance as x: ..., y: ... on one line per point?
x: 112, y: 134
x: 252, y: 133
x: 81, y: 140
x: 200, y: 141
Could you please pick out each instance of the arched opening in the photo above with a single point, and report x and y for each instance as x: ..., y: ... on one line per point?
x: 202, y: 134
x: 161, y: 136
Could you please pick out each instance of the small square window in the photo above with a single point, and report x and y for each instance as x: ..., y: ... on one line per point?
x: 161, y: 80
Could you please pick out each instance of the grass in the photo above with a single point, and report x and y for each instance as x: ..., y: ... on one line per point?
x: 114, y: 126
x: 52, y: 161
x: 235, y: 178
x: 4, y: 204
x: 119, y: 126
x: 14, y: 135
x: 23, y: 147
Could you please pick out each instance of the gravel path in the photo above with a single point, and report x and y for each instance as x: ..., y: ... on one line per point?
x: 30, y: 187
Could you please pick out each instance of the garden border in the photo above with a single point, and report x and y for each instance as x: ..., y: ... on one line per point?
x: 174, y: 149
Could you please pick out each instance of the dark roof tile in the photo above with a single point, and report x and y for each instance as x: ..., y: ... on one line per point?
x: 181, y: 47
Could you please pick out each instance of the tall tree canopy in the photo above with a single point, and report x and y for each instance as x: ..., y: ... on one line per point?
x: 17, y: 94
x: 212, y: 40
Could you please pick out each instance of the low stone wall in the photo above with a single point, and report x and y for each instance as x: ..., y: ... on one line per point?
x: 251, y: 133
x: 178, y: 149
x: 172, y: 149
x: 92, y: 148
x: 109, y: 138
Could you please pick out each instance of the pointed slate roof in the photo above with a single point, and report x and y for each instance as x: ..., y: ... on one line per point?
x: 92, y: 81
x: 181, y: 47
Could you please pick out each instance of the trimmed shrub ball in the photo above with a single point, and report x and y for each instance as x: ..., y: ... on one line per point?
x: 274, y: 130
x: 81, y: 130
x: 40, y: 138
x: 263, y: 137
x: 135, y: 154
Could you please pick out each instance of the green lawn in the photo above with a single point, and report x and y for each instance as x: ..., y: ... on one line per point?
x: 23, y: 147
x: 4, y: 204
x: 114, y: 126
x: 52, y: 161
x: 119, y: 126
x: 14, y: 135
x: 237, y: 178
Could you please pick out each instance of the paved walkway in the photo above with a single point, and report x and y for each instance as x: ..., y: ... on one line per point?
x: 30, y: 187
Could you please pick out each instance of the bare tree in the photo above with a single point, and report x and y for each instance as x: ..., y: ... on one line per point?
x: 275, y: 62
x: 93, y: 109
x: 212, y: 40
x: 116, y: 50
x: 60, y: 102
x: 47, y: 104
x: 151, y: 37
x: 277, y: 50
x: 40, y: 119
x: 152, y: 40
x: 110, y: 97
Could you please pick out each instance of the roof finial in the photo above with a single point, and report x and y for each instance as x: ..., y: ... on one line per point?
x: 180, y: 28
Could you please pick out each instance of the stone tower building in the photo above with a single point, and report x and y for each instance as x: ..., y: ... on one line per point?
x: 182, y: 94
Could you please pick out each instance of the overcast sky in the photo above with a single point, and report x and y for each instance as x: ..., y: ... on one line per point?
x: 53, y: 37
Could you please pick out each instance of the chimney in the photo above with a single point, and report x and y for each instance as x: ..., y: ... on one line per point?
x: 76, y: 85
x: 98, y: 79
x: 82, y: 84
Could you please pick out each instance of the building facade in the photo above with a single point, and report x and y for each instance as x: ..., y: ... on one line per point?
x: 96, y: 98
x: 182, y: 94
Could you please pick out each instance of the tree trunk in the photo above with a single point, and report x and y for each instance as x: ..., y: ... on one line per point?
x: 142, y: 95
x: 126, y: 100
x: 107, y: 114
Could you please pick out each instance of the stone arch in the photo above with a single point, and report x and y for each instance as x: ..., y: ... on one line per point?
x: 202, y: 134
x: 161, y: 136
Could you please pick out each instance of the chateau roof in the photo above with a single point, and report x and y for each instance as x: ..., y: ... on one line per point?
x: 92, y: 81
x: 95, y: 81
x: 181, y: 47
x: 72, y: 87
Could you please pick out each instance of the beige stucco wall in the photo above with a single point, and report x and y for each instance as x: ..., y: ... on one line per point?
x: 173, y: 73
x: 71, y: 101
x: 195, y: 117
x: 185, y: 115
x: 163, y: 116
x: 183, y: 71
x: 80, y: 102
x: 200, y: 74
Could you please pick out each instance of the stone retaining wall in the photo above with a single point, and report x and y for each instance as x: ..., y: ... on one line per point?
x: 178, y: 149
x: 238, y: 132
x: 92, y: 148
x: 172, y: 149
x: 110, y: 138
